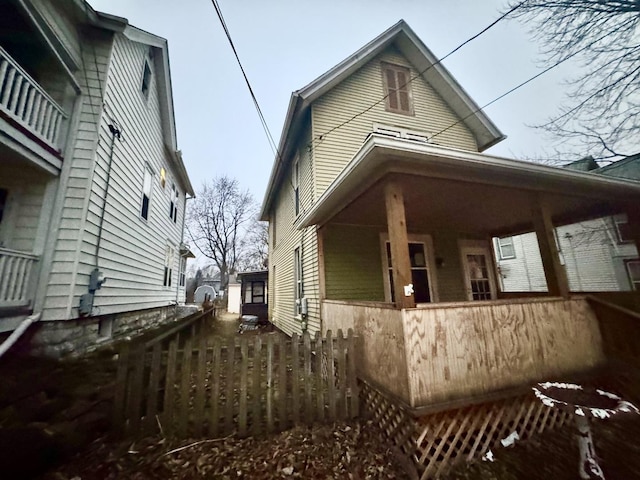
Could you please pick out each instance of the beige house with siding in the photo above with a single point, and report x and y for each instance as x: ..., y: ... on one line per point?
x: 382, y: 208
x: 92, y: 184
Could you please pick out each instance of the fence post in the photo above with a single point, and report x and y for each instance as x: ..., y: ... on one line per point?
x: 319, y: 376
x: 342, y: 377
x: 152, y: 393
x: 331, y: 391
x: 256, y: 387
x: 120, y: 395
x: 282, y: 383
x: 185, y: 388
x: 352, y: 379
x: 308, y: 378
x: 214, y: 419
x: 269, y: 391
x: 201, y: 384
x: 295, y: 374
x: 244, y: 392
x: 229, y: 395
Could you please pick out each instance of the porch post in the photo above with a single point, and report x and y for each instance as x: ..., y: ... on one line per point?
x: 400, y: 262
x: 554, y: 271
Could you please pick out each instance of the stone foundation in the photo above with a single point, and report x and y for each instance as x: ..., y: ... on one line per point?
x: 82, y: 335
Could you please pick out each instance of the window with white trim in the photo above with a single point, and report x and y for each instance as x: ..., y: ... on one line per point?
x: 168, y: 266
x: 506, y: 250
x: 297, y: 281
x: 397, y: 86
x: 254, y: 292
x: 296, y: 185
x: 623, y: 232
x: 633, y: 270
x: 146, y: 80
x: 183, y: 266
x: 173, y: 205
x: 146, y: 194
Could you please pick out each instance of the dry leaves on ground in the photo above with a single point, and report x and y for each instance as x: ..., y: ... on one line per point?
x: 349, y: 451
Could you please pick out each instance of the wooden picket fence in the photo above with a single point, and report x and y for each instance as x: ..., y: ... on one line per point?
x: 192, y: 384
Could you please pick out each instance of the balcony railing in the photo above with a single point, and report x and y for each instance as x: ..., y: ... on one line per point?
x: 22, y: 99
x: 15, y: 277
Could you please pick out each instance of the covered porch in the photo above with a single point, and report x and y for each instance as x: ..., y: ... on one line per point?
x: 406, y: 260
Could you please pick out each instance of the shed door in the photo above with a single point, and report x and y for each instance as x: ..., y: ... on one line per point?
x: 478, y: 273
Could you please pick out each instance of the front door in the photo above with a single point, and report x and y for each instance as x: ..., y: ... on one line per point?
x: 478, y: 272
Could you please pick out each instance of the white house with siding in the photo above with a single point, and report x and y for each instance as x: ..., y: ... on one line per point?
x: 598, y: 254
x: 92, y: 185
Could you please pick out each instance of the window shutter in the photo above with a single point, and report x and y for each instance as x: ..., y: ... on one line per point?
x: 392, y: 86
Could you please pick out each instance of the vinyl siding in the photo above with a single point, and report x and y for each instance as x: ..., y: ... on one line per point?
x: 132, y: 250
x: 353, y: 269
x: 19, y: 227
x: 591, y: 256
x: 287, y: 239
x: 61, y: 294
x: 357, y: 93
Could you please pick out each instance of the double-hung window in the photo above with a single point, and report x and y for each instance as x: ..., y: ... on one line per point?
x: 506, y: 250
x: 146, y: 194
x: 633, y: 269
x: 297, y: 281
x: 173, y: 205
x: 168, y: 266
x: 397, y: 86
x: 623, y: 232
x: 296, y: 185
x: 183, y: 266
x: 254, y: 292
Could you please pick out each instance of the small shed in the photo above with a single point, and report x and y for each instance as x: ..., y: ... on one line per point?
x: 233, y: 295
x: 254, y: 294
x: 204, y: 292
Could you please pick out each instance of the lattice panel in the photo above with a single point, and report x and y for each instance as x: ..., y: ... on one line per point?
x: 439, y: 441
x: 397, y: 424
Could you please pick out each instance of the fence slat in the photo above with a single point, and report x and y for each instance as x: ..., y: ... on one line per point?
x: 282, y: 383
x: 214, y: 418
x: 295, y: 372
x: 135, y: 398
x: 150, y: 424
x: 320, y: 356
x: 201, y: 388
x: 121, y: 389
x: 308, y: 379
x: 342, y: 376
x: 170, y: 386
x: 244, y: 391
x: 269, y: 391
x: 229, y: 396
x: 256, y: 395
x: 352, y: 379
x: 331, y: 377
x: 185, y: 387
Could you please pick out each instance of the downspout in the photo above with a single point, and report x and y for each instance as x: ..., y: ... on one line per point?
x: 184, y: 215
x: 17, y: 333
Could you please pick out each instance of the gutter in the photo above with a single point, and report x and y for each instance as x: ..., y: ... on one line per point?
x: 17, y: 333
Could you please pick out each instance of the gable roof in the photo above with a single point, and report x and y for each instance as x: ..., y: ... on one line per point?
x: 163, y: 71
x: 628, y: 167
x: 485, y: 132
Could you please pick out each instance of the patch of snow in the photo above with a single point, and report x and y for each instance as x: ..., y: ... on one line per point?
x: 579, y: 412
x: 510, y: 440
x: 488, y: 457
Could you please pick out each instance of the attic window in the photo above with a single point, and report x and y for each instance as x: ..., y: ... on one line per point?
x: 146, y: 80
x: 397, y: 88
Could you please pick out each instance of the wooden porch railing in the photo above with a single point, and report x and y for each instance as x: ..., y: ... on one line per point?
x: 15, y: 277
x: 26, y: 102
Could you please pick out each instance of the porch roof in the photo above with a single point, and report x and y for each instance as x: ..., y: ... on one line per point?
x: 465, y: 191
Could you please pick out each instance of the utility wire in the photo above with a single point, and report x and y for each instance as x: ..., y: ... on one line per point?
x: 320, y: 137
x: 272, y: 144
x: 530, y: 79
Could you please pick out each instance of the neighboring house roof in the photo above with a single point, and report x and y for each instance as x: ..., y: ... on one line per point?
x: 408, y: 43
x: 628, y: 168
x: 121, y: 25
x: 585, y: 164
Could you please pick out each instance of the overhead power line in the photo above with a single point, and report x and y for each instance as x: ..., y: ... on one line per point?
x: 522, y: 84
x: 321, y: 136
x: 272, y: 144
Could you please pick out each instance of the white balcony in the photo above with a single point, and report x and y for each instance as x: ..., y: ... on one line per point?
x: 16, y: 269
x: 26, y: 103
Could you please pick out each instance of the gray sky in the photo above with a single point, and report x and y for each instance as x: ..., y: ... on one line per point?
x: 285, y: 44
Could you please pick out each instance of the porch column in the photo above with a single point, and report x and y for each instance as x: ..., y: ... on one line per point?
x: 400, y: 262
x: 554, y: 271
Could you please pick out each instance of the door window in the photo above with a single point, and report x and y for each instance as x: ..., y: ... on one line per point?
x: 478, y: 273
x: 419, y: 272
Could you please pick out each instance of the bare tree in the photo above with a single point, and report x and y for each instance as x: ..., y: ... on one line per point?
x: 602, y: 114
x: 217, y: 223
x: 255, y: 247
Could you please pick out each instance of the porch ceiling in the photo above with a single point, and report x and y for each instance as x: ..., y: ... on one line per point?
x: 446, y: 189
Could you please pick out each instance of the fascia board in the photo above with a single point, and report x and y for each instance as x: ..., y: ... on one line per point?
x: 378, y: 151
